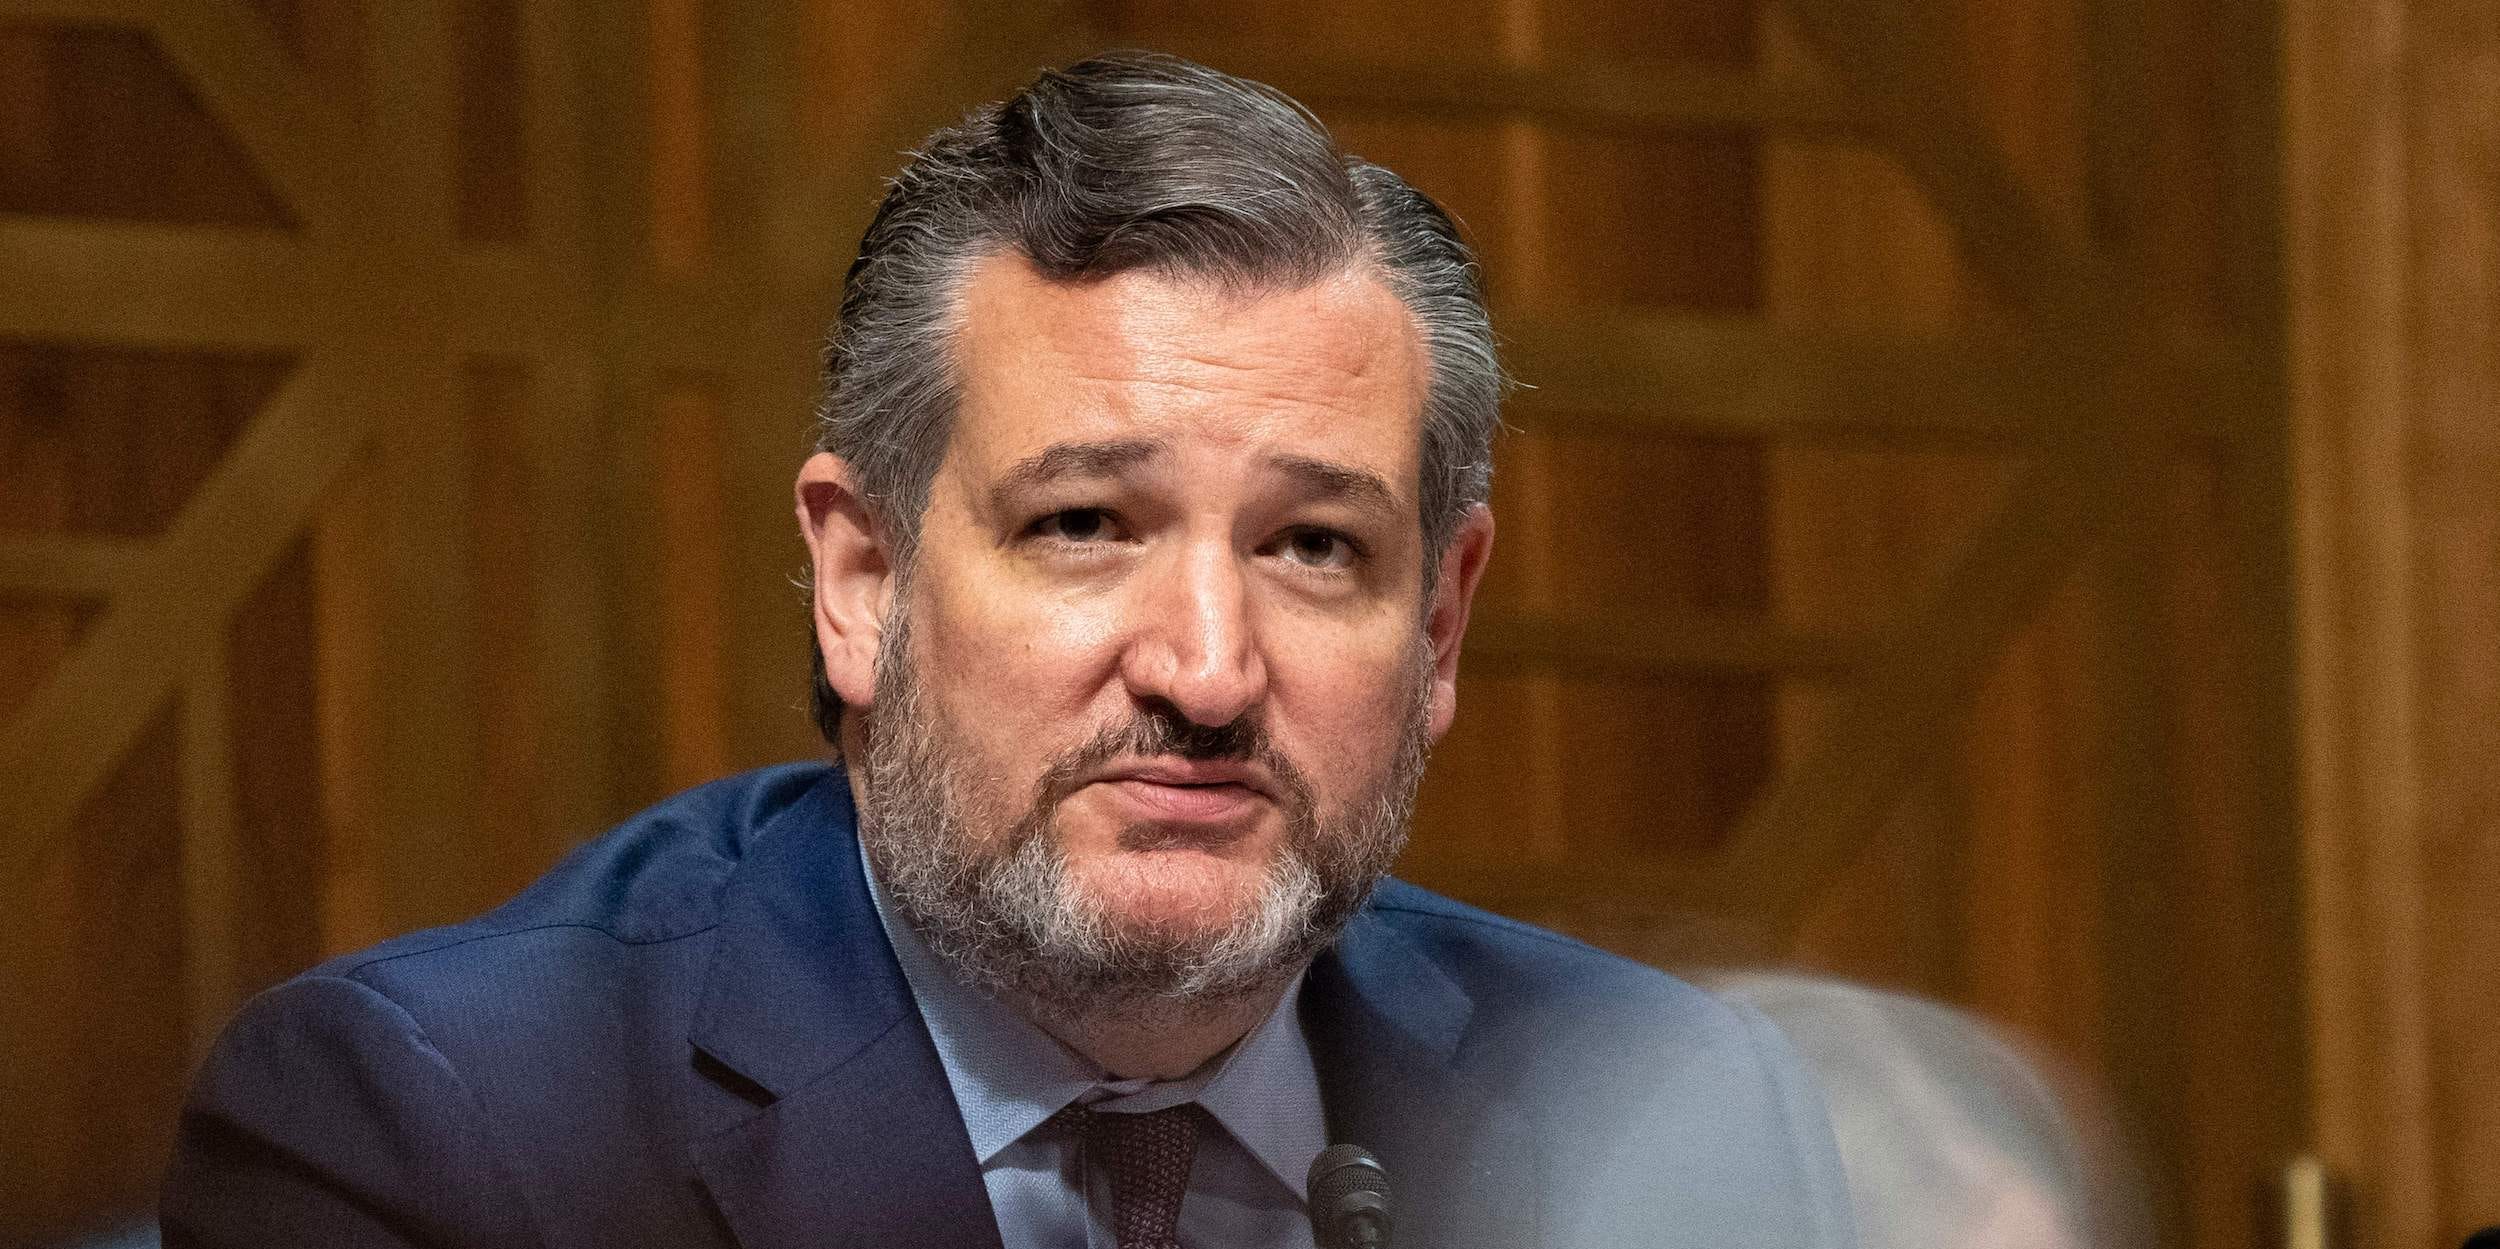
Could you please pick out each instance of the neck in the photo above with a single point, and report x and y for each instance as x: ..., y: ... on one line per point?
x: 1157, y: 1044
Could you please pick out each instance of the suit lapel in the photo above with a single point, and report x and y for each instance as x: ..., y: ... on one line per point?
x: 1385, y: 1026
x: 873, y: 1155
x: 845, y: 1132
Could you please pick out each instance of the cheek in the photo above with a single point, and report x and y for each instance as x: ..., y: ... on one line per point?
x: 1018, y: 674
x: 1341, y: 714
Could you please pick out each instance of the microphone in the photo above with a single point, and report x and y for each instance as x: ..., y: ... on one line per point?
x: 1349, y: 1199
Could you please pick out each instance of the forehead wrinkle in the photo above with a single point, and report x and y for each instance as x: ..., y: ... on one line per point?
x: 1287, y: 363
x: 1148, y: 356
x: 1121, y: 392
x: 1357, y: 359
x: 1143, y: 340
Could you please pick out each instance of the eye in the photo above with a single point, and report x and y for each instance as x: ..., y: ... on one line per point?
x: 1320, y: 548
x: 1076, y: 524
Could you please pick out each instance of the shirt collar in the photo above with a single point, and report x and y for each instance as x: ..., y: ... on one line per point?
x: 1266, y: 1093
x: 1009, y: 1076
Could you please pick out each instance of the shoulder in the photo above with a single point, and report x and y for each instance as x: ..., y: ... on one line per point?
x: 262, y: 1144
x: 608, y: 949
x: 618, y: 922
x: 1679, y: 1107
x: 655, y: 878
x: 1505, y: 966
x: 540, y: 1048
x: 1557, y: 1012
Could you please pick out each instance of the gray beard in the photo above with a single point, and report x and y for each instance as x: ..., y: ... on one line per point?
x: 988, y: 889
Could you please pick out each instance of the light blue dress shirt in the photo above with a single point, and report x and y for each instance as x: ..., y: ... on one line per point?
x: 1010, y: 1077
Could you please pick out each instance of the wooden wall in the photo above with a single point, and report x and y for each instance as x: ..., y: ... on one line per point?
x: 2394, y: 212
x: 398, y: 404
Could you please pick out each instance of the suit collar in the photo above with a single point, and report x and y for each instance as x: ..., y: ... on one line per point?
x: 801, y: 978
x: 846, y: 1132
x: 1388, y: 1028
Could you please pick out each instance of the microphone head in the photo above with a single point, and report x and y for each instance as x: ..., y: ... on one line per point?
x: 1349, y: 1198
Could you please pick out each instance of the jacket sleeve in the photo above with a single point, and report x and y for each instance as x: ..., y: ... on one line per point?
x: 323, y: 1117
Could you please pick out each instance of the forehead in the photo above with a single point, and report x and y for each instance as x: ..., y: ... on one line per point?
x: 1335, y: 368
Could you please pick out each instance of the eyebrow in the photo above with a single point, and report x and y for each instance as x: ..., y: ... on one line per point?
x: 1059, y: 461
x: 1360, y: 488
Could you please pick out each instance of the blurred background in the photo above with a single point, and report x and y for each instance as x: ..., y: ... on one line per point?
x: 2007, y: 508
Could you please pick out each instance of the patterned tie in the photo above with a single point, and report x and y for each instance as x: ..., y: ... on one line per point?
x: 1148, y: 1156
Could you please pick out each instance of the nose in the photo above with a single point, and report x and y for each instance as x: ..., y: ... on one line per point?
x: 1194, y: 645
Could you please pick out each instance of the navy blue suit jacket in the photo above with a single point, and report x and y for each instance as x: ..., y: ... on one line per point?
x: 692, y: 1032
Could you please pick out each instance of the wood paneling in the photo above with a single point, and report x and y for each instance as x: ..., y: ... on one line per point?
x: 681, y: 182
x: 503, y: 546
x: 95, y: 123
x: 1888, y: 574
x: 347, y: 658
x: 688, y: 538
x: 91, y: 984
x: 495, y: 122
x: 2393, y: 200
x: 2455, y: 99
x: 281, y: 840
x: 113, y: 443
x: 2106, y: 830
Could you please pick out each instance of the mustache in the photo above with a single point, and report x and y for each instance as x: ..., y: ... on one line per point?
x: 1162, y: 731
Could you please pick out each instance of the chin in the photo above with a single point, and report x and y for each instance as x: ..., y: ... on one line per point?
x: 1174, y: 894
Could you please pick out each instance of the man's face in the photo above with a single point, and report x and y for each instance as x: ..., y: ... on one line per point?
x: 1166, y: 641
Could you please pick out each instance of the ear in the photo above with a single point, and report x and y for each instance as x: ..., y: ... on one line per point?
x: 1462, y: 566
x: 854, y: 577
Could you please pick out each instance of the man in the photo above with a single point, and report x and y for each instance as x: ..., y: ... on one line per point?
x: 1150, y: 505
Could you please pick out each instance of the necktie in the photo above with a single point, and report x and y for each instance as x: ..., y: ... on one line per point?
x: 1148, y: 1157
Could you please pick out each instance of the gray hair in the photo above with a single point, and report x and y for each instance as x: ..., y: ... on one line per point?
x: 1137, y: 161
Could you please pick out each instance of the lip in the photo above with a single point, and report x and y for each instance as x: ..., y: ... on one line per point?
x: 1189, y: 791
